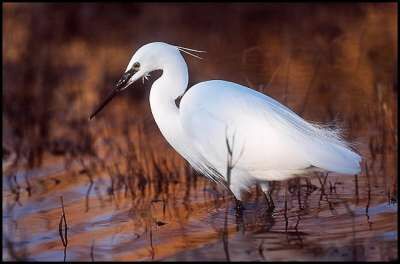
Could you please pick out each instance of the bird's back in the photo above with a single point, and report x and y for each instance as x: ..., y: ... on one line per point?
x: 267, y: 139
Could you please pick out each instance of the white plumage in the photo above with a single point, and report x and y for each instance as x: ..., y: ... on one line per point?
x: 268, y: 141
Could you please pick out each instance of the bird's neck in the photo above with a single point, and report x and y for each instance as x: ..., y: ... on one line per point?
x: 165, y: 90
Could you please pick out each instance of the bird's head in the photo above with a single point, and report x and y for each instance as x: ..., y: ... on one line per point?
x: 148, y: 58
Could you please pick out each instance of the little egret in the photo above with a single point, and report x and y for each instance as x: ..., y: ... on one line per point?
x: 230, y: 133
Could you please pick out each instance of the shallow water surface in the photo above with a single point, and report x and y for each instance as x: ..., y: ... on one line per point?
x: 324, y: 218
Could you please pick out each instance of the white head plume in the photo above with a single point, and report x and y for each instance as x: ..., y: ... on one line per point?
x: 186, y: 50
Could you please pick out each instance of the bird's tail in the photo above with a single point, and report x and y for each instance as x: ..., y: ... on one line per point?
x: 332, y: 153
x: 336, y: 158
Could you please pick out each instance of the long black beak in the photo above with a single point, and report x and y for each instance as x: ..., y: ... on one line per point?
x: 121, y: 85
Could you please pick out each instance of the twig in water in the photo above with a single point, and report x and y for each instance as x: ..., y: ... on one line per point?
x: 64, y: 238
x: 230, y: 164
x: 89, y: 174
x: 92, y: 251
x: 356, y: 182
x: 261, y: 250
x: 285, y: 212
x: 152, y: 253
x: 225, y: 236
x: 369, y: 197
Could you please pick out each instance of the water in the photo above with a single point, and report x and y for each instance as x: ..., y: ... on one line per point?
x: 128, y: 196
x: 312, y: 223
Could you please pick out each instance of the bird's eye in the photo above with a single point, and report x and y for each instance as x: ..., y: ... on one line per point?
x: 136, y: 66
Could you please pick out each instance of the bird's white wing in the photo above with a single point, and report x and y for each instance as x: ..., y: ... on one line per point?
x: 263, y: 135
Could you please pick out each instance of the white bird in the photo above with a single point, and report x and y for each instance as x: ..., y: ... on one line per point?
x: 230, y: 133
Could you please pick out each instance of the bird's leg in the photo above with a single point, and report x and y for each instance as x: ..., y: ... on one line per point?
x: 271, y: 201
x: 239, y: 207
x: 265, y: 187
x: 236, y: 191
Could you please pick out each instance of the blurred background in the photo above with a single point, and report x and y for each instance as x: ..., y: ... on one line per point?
x: 332, y: 63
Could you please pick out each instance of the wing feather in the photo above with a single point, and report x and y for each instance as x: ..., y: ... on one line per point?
x: 266, y: 135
